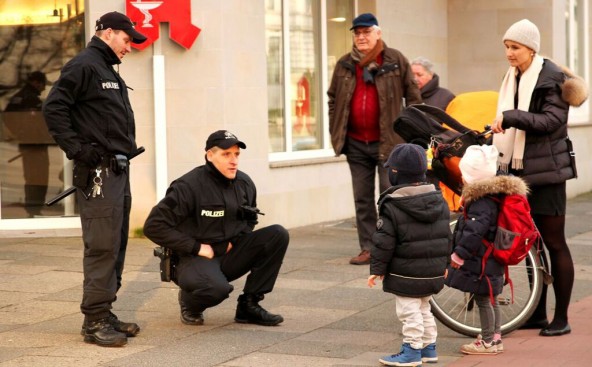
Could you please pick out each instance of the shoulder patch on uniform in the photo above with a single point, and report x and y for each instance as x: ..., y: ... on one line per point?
x: 66, y: 84
x: 170, y: 202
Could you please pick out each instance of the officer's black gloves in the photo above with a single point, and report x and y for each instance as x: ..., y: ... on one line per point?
x: 88, y: 155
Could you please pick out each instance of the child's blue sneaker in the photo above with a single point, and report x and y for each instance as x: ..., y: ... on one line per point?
x: 429, y: 354
x: 407, y: 357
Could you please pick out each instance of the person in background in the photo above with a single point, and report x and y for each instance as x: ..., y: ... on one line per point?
x: 207, y: 219
x: 88, y: 113
x: 410, y: 252
x: 429, y: 84
x: 35, y: 156
x: 27, y: 98
x: 369, y: 87
x: 530, y: 132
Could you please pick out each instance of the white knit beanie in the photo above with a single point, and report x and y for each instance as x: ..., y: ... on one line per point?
x: 479, y: 162
x: 526, y: 33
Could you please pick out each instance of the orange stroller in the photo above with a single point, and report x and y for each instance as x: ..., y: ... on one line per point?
x: 445, y: 139
x: 474, y: 110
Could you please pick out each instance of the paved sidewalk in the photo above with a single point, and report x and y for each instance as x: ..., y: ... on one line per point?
x: 332, y: 317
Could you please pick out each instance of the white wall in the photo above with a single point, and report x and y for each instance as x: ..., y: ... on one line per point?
x: 220, y: 83
x: 417, y: 28
x: 477, y: 59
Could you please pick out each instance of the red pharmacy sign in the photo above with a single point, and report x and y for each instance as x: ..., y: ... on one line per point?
x: 147, y: 14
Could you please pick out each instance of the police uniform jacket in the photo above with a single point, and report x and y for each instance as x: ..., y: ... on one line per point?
x: 203, y: 206
x: 89, y: 104
x: 479, y: 221
x: 411, y: 244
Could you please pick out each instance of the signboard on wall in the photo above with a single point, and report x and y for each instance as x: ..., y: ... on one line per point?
x: 147, y: 14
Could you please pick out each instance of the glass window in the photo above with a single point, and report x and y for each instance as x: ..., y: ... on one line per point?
x: 304, y: 40
x: 32, y: 166
x: 304, y: 86
x: 275, y: 80
x: 339, y: 37
x: 576, y: 23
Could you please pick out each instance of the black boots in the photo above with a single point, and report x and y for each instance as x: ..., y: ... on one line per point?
x: 130, y: 329
x: 248, y: 311
x: 102, y: 333
x: 188, y: 316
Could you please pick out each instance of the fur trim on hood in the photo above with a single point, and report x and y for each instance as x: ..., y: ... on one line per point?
x: 574, y: 90
x: 506, y: 185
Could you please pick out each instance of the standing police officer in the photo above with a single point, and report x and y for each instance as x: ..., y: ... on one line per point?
x: 89, y: 115
x: 207, y: 218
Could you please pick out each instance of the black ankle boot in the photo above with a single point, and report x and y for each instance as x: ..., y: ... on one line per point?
x: 189, y: 316
x: 248, y: 311
x: 102, y: 333
x: 130, y: 329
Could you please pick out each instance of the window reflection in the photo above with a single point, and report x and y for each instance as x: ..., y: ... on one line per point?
x: 575, y: 25
x: 577, y: 47
x: 304, y: 63
x: 31, y: 164
x: 296, y: 112
x: 275, y: 92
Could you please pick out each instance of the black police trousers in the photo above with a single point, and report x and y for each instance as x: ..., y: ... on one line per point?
x: 105, y: 230
x: 205, y: 282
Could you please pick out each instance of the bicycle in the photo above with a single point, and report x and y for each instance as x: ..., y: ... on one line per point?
x: 458, y: 311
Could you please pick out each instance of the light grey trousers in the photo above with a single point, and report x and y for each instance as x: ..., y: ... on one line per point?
x: 489, y: 315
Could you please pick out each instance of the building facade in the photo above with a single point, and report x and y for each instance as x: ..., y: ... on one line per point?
x: 261, y: 68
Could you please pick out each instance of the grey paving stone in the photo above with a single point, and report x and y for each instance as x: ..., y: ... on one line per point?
x: 331, y: 317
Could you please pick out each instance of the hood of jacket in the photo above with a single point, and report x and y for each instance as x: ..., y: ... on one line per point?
x: 431, y: 87
x: 421, y: 202
x: 498, y: 185
x: 574, y: 89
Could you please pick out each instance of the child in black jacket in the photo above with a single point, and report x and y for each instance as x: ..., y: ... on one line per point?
x: 410, y: 251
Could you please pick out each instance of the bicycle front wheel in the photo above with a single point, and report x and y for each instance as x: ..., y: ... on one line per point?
x: 458, y: 310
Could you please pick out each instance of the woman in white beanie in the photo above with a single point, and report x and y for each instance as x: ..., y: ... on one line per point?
x: 481, y: 193
x: 531, y: 136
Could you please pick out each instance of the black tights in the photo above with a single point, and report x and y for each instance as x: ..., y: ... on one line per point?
x: 552, y: 230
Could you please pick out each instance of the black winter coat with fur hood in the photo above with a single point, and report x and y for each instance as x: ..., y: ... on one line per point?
x: 479, y: 221
x: 546, y: 156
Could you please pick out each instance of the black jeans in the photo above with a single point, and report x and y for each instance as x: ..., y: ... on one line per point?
x: 364, y: 161
x: 205, y: 282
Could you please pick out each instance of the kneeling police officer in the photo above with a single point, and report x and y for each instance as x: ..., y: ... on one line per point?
x: 207, y: 219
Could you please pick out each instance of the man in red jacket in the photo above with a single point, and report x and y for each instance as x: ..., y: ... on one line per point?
x: 370, y: 86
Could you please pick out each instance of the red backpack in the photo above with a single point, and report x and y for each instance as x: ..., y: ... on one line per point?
x: 515, y: 235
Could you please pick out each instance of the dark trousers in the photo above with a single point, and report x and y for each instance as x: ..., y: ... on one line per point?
x: 364, y: 161
x: 205, y: 282
x: 105, y: 230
